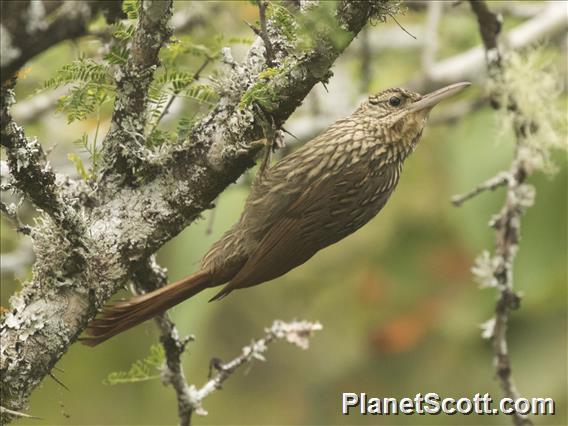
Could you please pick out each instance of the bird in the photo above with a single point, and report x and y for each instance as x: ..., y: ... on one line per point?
x: 312, y: 198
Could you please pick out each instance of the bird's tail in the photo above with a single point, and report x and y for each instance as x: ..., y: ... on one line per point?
x: 126, y: 314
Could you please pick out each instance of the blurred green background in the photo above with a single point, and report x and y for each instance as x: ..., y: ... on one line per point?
x: 397, y: 301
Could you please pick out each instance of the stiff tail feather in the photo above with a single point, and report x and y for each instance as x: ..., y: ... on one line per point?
x: 124, y: 315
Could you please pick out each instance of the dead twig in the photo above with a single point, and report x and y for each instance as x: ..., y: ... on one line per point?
x: 297, y: 333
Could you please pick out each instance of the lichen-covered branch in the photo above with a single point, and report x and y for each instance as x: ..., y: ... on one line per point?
x: 496, y: 270
x: 491, y: 184
x: 149, y: 276
x: 297, y: 333
x: 31, y: 173
x: 121, y: 147
x: 125, y: 219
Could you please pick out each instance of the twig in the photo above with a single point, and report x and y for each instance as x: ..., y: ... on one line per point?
x: 32, y: 174
x: 165, y: 111
x: 269, y: 54
x: 4, y: 410
x: 59, y: 382
x: 150, y: 276
x: 495, y: 182
x: 296, y: 332
x: 507, y: 222
x: 402, y: 28
x: 268, y: 125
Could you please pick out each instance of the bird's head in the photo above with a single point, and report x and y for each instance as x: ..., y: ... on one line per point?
x: 400, y: 115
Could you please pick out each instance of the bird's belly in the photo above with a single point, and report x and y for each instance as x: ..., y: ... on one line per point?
x: 342, y: 221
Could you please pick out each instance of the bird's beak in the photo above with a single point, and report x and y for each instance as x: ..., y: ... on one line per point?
x: 430, y: 100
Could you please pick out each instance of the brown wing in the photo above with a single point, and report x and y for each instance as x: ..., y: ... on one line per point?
x: 317, y: 218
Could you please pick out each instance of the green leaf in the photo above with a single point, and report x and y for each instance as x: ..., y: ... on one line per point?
x: 202, y: 93
x: 141, y: 370
x: 284, y: 21
x: 81, y: 70
x: 94, y: 152
x: 122, y: 31
x: 130, y: 7
x: 117, y: 56
x: 82, y: 101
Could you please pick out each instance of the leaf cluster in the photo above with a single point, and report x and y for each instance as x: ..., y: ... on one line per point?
x: 141, y: 370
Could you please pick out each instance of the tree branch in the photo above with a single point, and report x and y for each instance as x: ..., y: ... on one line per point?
x: 147, y: 277
x: 26, y: 30
x: 498, y: 271
x: 296, y: 332
x: 127, y: 221
x: 32, y: 173
x: 121, y: 147
x: 470, y: 65
x: 263, y: 33
x: 495, y: 182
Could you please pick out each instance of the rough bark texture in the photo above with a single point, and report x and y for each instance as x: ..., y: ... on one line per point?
x: 89, y: 242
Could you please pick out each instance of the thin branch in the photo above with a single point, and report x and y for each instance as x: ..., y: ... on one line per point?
x: 508, y: 220
x: 297, y: 333
x: 402, y: 28
x: 149, y: 276
x: 495, y: 182
x: 4, y: 410
x: 166, y: 109
x: 267, y: 120
x: 32, y: 174
x: 269, y: 54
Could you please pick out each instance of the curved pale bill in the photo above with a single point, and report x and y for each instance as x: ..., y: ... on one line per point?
x: 431, y: 99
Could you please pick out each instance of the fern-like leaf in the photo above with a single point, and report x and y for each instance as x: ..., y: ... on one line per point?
x: 140, y: 370
x: 81, y: 70
x: 117, y: 56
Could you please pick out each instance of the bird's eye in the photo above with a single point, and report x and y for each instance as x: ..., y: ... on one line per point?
x: 394, y: 101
